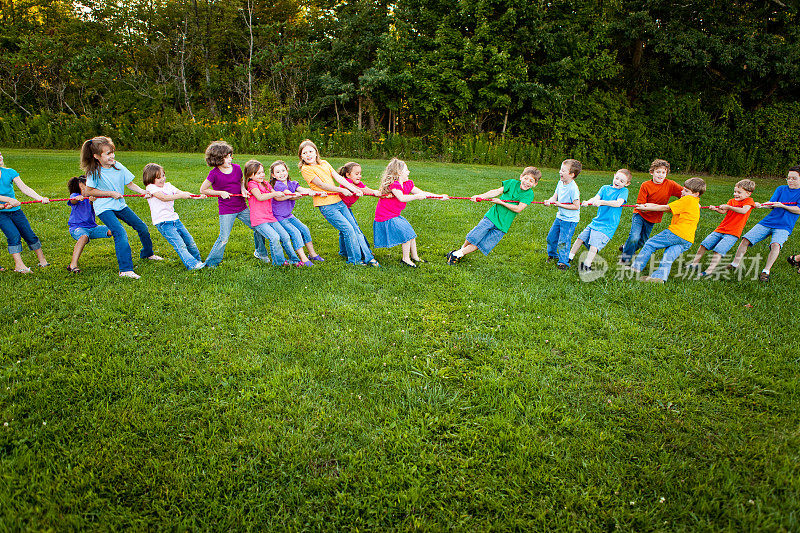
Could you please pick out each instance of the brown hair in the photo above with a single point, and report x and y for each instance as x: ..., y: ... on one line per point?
x: 697, y: 185
x: 658, y: 163
x: 347, y: 168
x: 74, y: 184
x: 534, y: 172
x: 92, y: 147
x: 307, y: 142
x: 390, y: 175
x: 216, y: 153
x: 272, y: 167
x: 250, y: 169
x: 574, y: 165
x: 626, y: 173
x: 747, y: 185
x: 151, y: 172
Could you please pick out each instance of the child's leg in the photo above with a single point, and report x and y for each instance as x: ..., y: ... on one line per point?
x: 589, y: 259
x: 27, y: 234
x: 366, y: 253
x: 286, y: 242
x: 564, y: 239
x: 552, y: 239
x: 14, y: 239
x: 173, y: 232
x: 218, y: 249
x: 295, y: 237
x: 575, y: 248
x: 674, y: 250
x: 740, y: 251
x: 406, y: 248
x: 715, y: 259
x: 333, y: 214
x: 699, y: 255
x: 130, y: 218
x: 258, y: 239
x: 466, y: 248
x: 304, y: 233
x: 274, y: 242
x: 122, y: 248
x: 188, y: 240
x: 414, y: 254
x: 656, y: 243
x: 640, y: 232
x: 78, y: 250
x: 774, y: 252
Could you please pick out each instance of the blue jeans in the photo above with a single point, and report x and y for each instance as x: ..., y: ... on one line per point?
x: 342, y: 247
x: 297, y: 231
x: 673, y: 246
x: 559, y: 238
x: 179, y: 237
x: 640, y: 232
x: 341, y: 218
x: 277, y: 236
x: 122, y: 248
x: 15, y: 226
x: 225, y: 227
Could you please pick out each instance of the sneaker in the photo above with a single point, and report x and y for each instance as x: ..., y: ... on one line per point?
x: 731, y: 267
x: 264, y: 258
x: 286, y: 264
x: 155, y: 257
x: 199, y: 266
x: 374, y: 263
x: 306, y: 264
x: 621, y: 248
x: 649, y: 279
x: 129, y: 274
x: 764, y: 276
x: 452, y: 259
x: 562, y: 266
x: 317, y: 258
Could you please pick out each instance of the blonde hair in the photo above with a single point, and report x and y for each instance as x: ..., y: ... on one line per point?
x: 627, y: 173
x: 92, y: 147
x: 574, y: 165
x: 307, y: 142
x: 151, y: 172
x: 696, y: 185
x: 747, y: 185
x: 390, y: 175
x: 533, y: 172
x: 273, y: 166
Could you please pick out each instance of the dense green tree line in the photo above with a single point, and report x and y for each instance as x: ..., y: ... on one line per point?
x: 711, y: 85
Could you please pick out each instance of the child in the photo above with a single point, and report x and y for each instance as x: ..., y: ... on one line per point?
x: 601, y: 229
x: 778, y: 224
x: 225, y: 180
x: 736, y: 212
x: 390, y: 228
x: 678, y: 237
x: 106, y: 179
x: 13, y: 222
x: 567, y: 198
x: 282, y: 208
x: 352, y: 173
x: 495, y: 223
x: 166, y: 220
x: 264, y: 222
x: 321, y: 177
x: 82, y: 224
x: 658, y: 190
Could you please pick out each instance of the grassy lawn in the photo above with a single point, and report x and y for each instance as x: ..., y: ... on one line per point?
x: 499, y: 393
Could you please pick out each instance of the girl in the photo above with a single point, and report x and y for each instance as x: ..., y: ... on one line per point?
x: 225, y: 180
x: 352, y: 173
x: 82, y: 224
x: 263, y: 220
x: 322, y: 178
x: 282, y: 209
x: 106, y: 179
x: 390, y: 228
x: 165, y: 219
x: 13, y: 222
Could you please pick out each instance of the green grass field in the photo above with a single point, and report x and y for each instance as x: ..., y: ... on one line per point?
x: 496, y: 394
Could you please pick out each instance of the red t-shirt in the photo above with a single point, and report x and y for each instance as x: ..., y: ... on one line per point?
x: 650, y: 192
x: 734, y: 222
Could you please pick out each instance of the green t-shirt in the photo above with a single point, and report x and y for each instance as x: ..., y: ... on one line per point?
x: 502, y: 217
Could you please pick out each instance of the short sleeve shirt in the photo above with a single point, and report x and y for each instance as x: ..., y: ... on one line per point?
x: 387, y: 208
x: 231, y: 183
x: 282, y: 209
x: 502, y: 217
x: 7, y: 176
x: 685, y: 217
x: 324, y: 171
x: 162, y: 211
x: 780, y: 218
x: 81, y: 215
x: 607, y: 218
x: 110, y: 179
x: 566, y: 194
x: 733, y: 222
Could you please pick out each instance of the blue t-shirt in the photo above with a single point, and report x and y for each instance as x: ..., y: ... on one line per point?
x: 567, y: 194
x: 81, y: 214
x: 780, y: 218
x: 110, y: 179
x: 607, y: 218
x: 7, y: 176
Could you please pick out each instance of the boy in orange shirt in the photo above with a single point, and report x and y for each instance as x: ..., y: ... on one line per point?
x: 678, y: 237
x: 722, y: 239
x: 656, y: 191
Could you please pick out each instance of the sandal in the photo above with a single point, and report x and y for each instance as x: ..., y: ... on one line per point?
x: 792, y: 261
x: 25, y: 270
x: 75, y: 270
x: 43, y: 265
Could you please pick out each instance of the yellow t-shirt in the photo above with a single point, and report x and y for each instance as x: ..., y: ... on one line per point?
x: 685, y: 217
x: 324, y: 171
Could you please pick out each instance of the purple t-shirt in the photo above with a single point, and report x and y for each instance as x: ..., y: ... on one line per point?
x: 81, y: 214
x: 231, y: 183
x: 282, y: 209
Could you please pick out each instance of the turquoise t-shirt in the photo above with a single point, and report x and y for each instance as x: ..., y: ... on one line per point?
x: 607, y: 218
x: 7, y: 176
x: 566, y: 195
x: 110, y: 179
x: 502, y: 217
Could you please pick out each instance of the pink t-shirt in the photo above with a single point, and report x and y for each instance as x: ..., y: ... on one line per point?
x: 391, y: 207
x: 350, y: 200
x: 260, y: 211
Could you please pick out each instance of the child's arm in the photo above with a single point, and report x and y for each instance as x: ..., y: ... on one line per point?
x: 408, y: 197
x: 206, y: 189
x: 487, y: 195
x: 346, y: 184
x: 573, y: 206
x: 98, y: 193
x: 593, y: 201
x: 9, y: 202
x: 725, y: 207
x: 306, y: 190
x: 791, y: 208
x: 27, y: 191
x: 333, y: 188
x: 517, y: 208
x: 264, y: 196
x: 170, y: 197
x: 417, y: 190
x: 619, y: 202
x: 652, y: 207
x: 553, y: 199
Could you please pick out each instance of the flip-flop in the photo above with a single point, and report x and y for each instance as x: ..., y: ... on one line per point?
x: 25, y: 270
x: 75, y: 270
x: 43, y: 265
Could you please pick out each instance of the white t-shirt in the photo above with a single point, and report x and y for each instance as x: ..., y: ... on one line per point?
x: 162, y: 211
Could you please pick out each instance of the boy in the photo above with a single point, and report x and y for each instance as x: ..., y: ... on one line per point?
x: 609, y: 199
x: 656, y: 191
x: 722, y: 239
x: 678, y: 237
x: 778, y: 224
x: 498, y: 219
x: 567, y: 198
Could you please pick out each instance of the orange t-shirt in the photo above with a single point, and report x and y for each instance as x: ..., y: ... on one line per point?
x: 649, y: 192
x: 323, y: 171
x: 685, y: 217
x: 734, y: 222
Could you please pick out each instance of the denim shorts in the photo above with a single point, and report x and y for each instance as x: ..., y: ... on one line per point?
x: 592, y: 237
x: 759, y: 233
x: 719, y: 242
x: 97, y: 232
x: 485, y: 236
